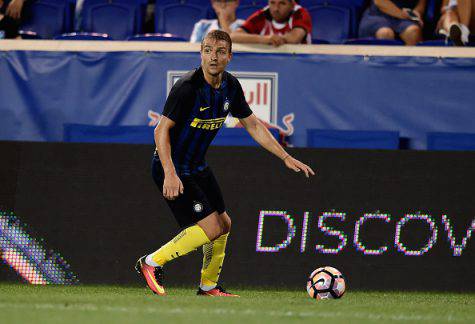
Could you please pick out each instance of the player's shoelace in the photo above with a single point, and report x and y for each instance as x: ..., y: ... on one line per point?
x: 222, y: 290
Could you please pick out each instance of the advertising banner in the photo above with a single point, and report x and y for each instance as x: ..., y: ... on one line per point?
x: 43, y: 91
x: 83, y: 213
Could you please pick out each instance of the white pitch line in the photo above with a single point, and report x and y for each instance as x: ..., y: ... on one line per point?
x: 226, y: 311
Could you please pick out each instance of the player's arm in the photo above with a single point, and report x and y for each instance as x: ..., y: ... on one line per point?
x: 172, y: 185
x: 261, y: 135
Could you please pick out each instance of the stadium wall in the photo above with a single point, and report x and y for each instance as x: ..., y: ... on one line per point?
x: 387, y: 219
x: 45, y: 85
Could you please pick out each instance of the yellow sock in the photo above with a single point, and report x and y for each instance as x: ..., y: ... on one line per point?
x: 213, y: 257
x: 186, y: 241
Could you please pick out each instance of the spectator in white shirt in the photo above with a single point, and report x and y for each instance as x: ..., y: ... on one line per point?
x: 227, y: 21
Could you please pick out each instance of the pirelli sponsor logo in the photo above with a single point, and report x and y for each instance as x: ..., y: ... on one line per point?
x: 208, y: 124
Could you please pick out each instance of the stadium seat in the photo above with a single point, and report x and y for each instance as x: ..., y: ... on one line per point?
x: 45, y: 19
x: 157, y: 38
x: 320, y: 41
x: 352, y: 139
x: 330, y: 23
x: 245, y: 11
x: 374, y: 41
x: 451, y: 141
x: 436, y: 42
x: 120, y: 19
x: 238, y: 137
x: 355, y: 7
x: 178, y: 18
x: 107, y: 134
x: 83, y: 36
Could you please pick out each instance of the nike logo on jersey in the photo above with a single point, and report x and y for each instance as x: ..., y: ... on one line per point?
x: 203, y: 108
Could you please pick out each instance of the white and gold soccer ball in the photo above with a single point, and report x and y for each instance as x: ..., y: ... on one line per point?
x: 326, y: 283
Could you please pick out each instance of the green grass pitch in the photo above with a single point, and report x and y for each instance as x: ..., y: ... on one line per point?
x: 109, y: 304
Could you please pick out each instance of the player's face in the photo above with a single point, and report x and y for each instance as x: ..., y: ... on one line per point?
x: 280, y: 9
x: 215, y: 56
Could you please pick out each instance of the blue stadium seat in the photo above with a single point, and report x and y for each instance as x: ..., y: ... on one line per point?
x: 178, y: 18
x: 330, y: 23
x: 47, y: 18
x: 355, y: 6
x: 246, y: 8
x: 450, y: 141
x: 436, y: 42
x: 193, y: 2
x: 245, y: 11
x: 83, y: 36
x: 120, y: 19
x: 352, y: 139
x: 238, y: 137
x: 320, y: 41
x: 157, y: 38
x: 261, y: 3
x: 349, y: 3
x: 374, y: 41
x: 108, y: 134
x: 432, y: 11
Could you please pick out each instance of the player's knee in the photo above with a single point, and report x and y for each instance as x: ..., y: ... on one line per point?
x: 225, y: 223
x: 211, y: 225
x: 213, y: 232
x: 385, y: 33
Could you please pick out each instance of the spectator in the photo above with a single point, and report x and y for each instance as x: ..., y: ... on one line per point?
x: 226, y: 12
x: 386, y: 19
x: 281, y: 22
x: 10, y: 14
x: 455, y: 19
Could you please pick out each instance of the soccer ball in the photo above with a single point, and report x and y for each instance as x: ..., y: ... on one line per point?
x: 325, y: 283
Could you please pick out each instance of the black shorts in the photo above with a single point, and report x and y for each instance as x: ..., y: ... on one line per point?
x: 201, y: 195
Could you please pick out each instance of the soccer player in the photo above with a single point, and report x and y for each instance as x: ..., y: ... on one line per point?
x: 194, y: 112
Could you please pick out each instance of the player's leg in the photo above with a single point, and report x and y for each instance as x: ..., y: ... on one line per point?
x: 214, y: 252
x: 189, y: 208
x: 213, y: 258
x: 203, y: 232
x: 188, y: 240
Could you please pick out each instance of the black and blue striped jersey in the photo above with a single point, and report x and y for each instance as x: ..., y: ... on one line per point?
x: 199, y: 111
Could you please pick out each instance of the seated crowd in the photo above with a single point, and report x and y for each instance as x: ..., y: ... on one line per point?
x: 288, y: 22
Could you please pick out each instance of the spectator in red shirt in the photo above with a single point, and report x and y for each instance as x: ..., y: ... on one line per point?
x: 281, y: 22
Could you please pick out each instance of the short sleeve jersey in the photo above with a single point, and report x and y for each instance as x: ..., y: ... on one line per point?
x: 199, y: 111
x: 261, y: 23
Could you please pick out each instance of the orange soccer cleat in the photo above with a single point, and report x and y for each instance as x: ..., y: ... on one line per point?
x: 218, y: 291
x: 153, y: 276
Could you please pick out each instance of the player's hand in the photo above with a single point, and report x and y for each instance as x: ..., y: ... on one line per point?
x: 298, y: 166
x: 172, y: 187
x: 14, y: 9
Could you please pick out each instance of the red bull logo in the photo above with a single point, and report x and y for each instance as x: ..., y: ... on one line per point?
x: 260, y: 90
